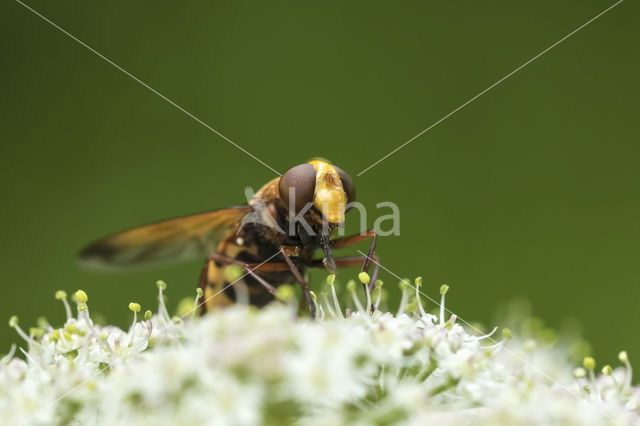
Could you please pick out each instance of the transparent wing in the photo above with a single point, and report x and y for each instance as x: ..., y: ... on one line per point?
x: 177, y: 239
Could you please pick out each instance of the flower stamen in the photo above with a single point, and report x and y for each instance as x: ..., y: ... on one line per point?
x: 62, y: 296
x: 443, y: 290
x: 365, y: 280
x: 624, y: 358
x: 13, y: 323
x: 418, y: 284
x: 331, y: 278
x: 404, y: 298
x: 135, y: 308
x: 351, y: 288
x: 378, y: 286
x: 162, y: 307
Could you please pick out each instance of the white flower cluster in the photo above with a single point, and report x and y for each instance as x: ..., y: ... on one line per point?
x: 244, y: 366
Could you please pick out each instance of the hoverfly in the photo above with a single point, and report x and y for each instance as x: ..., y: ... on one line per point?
x: 273, y: 238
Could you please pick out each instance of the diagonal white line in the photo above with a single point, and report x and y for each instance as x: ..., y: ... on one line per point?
x: 493, y: 85
x: 82, y: 383
x: 149, y: 87
x: 509, y: 351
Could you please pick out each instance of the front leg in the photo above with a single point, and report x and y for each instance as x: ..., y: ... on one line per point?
x: 371, y: 256
x: 354, y: 239
x: 303, y: 284
x: 345, y: 262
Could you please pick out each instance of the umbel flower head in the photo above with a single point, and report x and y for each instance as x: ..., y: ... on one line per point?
x: 243, y: 366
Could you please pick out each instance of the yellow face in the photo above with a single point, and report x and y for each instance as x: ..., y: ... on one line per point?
x: 329, y: 196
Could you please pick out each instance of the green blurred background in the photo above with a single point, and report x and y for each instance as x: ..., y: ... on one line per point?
x: 530, y: 191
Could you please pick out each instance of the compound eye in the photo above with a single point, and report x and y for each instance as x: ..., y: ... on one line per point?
x: 347, y: 184
x: 298, y: 182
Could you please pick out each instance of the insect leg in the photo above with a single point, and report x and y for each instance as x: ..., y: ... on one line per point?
x: 303, y: 284
x: 354, y: 239
x: 371, y: 256
x: 226, y: 260
x: 256, y: 267
x: 344, y: 262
